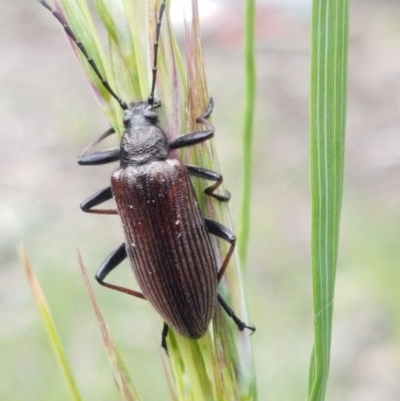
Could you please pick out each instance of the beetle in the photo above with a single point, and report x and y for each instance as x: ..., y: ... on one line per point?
x: 167, y: 239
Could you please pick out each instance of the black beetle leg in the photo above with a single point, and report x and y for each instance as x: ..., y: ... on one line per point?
x: 196, y: 137
x: 239, y: 323
x: 111, y: 262
x: 164, y: 335
x: 191, y: 139
x: 223, y: 232
x: 102, y: 157
x: 96, y: 199
x: 212, y: 176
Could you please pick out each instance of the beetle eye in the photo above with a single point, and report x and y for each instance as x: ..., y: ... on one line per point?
x: 150, y: 115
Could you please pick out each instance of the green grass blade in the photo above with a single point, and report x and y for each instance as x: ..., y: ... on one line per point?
x: 219, y: 366
x: 222, y: 360
x: 78, y: 16
x: 327, y: 135
x: 50, y: 326
x: 124, y: 384
x: 122, y: 49
x: 250, y: 95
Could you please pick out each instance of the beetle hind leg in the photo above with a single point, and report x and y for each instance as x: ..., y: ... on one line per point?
x: 229, y: 311
x: 223, y: 232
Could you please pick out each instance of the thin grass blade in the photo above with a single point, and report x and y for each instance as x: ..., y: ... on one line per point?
x: 218, y: 366
x: 250, y: 96
x: 77, y: 14
x: 121, y: 377
x: 122, y: 49
x: 225, y: 351
x: 327, y: 136
x: 50, y: 326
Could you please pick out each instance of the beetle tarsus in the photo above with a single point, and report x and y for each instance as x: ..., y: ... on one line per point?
x: 229, y: 311
x: 207, y: 113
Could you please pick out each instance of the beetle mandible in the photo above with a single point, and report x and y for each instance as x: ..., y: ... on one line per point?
x: 167, y: 239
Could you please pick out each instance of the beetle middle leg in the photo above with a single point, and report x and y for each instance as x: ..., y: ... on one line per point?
x: 112, y: 261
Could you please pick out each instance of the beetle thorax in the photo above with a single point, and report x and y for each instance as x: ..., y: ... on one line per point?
x: 140, y: 145
x: 142, y: 141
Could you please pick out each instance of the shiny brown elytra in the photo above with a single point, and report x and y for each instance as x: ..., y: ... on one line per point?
x: 167, y: 239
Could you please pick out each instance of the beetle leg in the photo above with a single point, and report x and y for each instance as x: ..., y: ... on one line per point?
x: 196, y: 137
x: 223, y: 232
x: 102, y: 157
x: 96, y: 199
x: 210, y: 175
x: 239, y: 323
x: 207, y: 113
x: 164, y: 335
x: 191, y: 139
x: 111, y: 262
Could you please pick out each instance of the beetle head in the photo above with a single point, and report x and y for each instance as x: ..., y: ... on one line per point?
x: 140, y: 114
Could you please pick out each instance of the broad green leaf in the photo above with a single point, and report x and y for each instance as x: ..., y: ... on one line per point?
x: 327, y: 136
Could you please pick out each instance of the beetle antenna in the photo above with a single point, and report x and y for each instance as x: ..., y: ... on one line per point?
x: 155, y: 52
x: 82, y: 48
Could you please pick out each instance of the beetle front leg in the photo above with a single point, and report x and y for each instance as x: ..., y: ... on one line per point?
x: 101, y: 157
x: 112, y: 261
x: 96, y: 199
x: 229, y: 311
x: 223, y: 232
x: 212, y: 176
x: 195, y: 138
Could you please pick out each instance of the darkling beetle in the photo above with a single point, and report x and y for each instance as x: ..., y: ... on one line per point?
x: 166, y: 236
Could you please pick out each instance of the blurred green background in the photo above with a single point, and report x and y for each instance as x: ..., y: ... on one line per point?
x: 48, y: 115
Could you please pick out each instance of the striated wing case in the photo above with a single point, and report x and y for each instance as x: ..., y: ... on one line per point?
x: 168, y: 243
